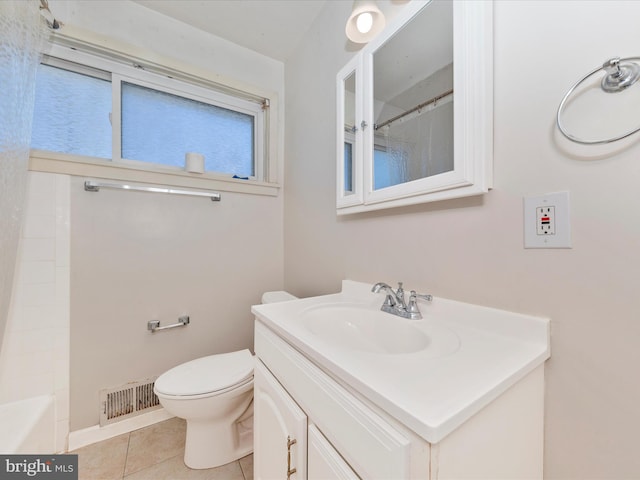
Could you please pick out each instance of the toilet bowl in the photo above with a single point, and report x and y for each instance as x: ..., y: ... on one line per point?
x: 214, y: 394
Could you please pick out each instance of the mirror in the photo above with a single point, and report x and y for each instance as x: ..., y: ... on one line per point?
x: 349, y: 132
x: 349, y: 153
x: 401, y: 137
x: 413, y: 99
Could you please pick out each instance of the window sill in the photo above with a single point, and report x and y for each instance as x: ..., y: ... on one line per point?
x: 50, y: 162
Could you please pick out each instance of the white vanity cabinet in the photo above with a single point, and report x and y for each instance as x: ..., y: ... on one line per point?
x: 341, y: 434
x: 371, y: 445
x: 280, y: 430
x: 324, y: 462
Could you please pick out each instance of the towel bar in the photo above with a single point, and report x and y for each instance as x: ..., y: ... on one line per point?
x: 621, y: 74
x: 154, y: 325
x: 96, y: 186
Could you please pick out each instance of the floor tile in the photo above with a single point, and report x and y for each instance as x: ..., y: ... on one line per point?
x: 104, y: 460
x: 154, y: 444
x: 246, y: 463
x: 154, y: 453
x: 174, y: 468
x: 230, y: 471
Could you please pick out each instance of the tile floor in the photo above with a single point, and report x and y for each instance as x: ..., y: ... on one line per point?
x: 154, y: 453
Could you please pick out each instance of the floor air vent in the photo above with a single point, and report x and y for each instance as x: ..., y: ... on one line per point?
x: 127, y: 401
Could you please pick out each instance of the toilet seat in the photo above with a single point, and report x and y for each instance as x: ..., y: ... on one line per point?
x: 214, y: 374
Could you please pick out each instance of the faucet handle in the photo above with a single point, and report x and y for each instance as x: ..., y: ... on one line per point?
x: 412, y: 308
x: 414, y: 296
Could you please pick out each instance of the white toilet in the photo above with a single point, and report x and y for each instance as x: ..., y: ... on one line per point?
x: 214, y: 394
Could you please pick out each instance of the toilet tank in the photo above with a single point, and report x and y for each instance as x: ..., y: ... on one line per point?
x: 278, y: 296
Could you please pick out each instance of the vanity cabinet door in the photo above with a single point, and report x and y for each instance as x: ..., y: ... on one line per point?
x: 280, y: 431
x: 324, y: 462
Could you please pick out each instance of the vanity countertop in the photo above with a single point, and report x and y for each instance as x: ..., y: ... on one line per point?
x: 432, y: 391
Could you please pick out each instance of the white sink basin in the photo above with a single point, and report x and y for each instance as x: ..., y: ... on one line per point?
x: 356, y: 327
x: 432, y: 374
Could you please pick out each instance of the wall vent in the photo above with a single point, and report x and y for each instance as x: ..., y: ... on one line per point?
x: 127, y: 401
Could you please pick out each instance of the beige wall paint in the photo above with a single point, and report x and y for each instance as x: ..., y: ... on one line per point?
x: 472, y: 249
x: 136, y: 257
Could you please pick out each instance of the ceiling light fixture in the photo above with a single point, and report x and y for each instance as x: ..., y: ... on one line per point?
x: 365, y: 22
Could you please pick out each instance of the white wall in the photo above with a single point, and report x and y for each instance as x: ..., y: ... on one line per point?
x: 472, y: 249
x: 137, y: 257
x: 35, y: 353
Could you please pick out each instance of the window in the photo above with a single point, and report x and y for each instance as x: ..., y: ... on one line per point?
x: 127, y: 115
x: 71, y: 113
x: 160, y: 127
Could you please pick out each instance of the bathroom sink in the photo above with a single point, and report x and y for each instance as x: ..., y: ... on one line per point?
x: 430, y: 374
x: 358, y: 328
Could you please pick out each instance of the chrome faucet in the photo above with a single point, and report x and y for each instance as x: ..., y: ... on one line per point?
x: 395, y: 304
x: 393, y: 298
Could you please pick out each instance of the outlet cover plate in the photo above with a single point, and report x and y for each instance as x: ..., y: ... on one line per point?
x: 546, y: 221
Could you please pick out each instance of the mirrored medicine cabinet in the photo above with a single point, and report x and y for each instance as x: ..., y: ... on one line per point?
x: 415, y: 109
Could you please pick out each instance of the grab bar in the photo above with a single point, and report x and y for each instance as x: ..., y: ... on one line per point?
x: 96, y: 186
x: 154, y: 325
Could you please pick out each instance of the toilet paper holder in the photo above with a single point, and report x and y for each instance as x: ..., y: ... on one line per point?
x: 154, y: 325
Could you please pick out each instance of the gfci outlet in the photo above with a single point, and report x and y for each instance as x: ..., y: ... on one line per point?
x: 546, y: 221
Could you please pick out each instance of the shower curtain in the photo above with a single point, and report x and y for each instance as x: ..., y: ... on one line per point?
x: 417, y: 146
x: 23, y: 34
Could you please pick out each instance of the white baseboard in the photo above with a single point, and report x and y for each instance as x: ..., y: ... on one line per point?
x: 87, y: 436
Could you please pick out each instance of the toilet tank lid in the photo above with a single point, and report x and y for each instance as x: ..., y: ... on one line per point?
x: 277, y: 296
x: 207, y: 374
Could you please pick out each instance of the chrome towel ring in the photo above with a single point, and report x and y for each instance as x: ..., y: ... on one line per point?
x: 621, y: 73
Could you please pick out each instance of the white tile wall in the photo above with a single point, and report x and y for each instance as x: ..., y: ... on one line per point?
x: 34, y: 359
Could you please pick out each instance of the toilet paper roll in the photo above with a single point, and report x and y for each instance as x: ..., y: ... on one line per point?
x: 194, y: 162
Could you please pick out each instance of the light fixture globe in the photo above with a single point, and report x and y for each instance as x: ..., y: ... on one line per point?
x: 365, y: 22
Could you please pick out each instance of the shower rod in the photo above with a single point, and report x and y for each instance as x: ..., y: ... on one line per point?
x: 90, y: 186
x: 431, y: 101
